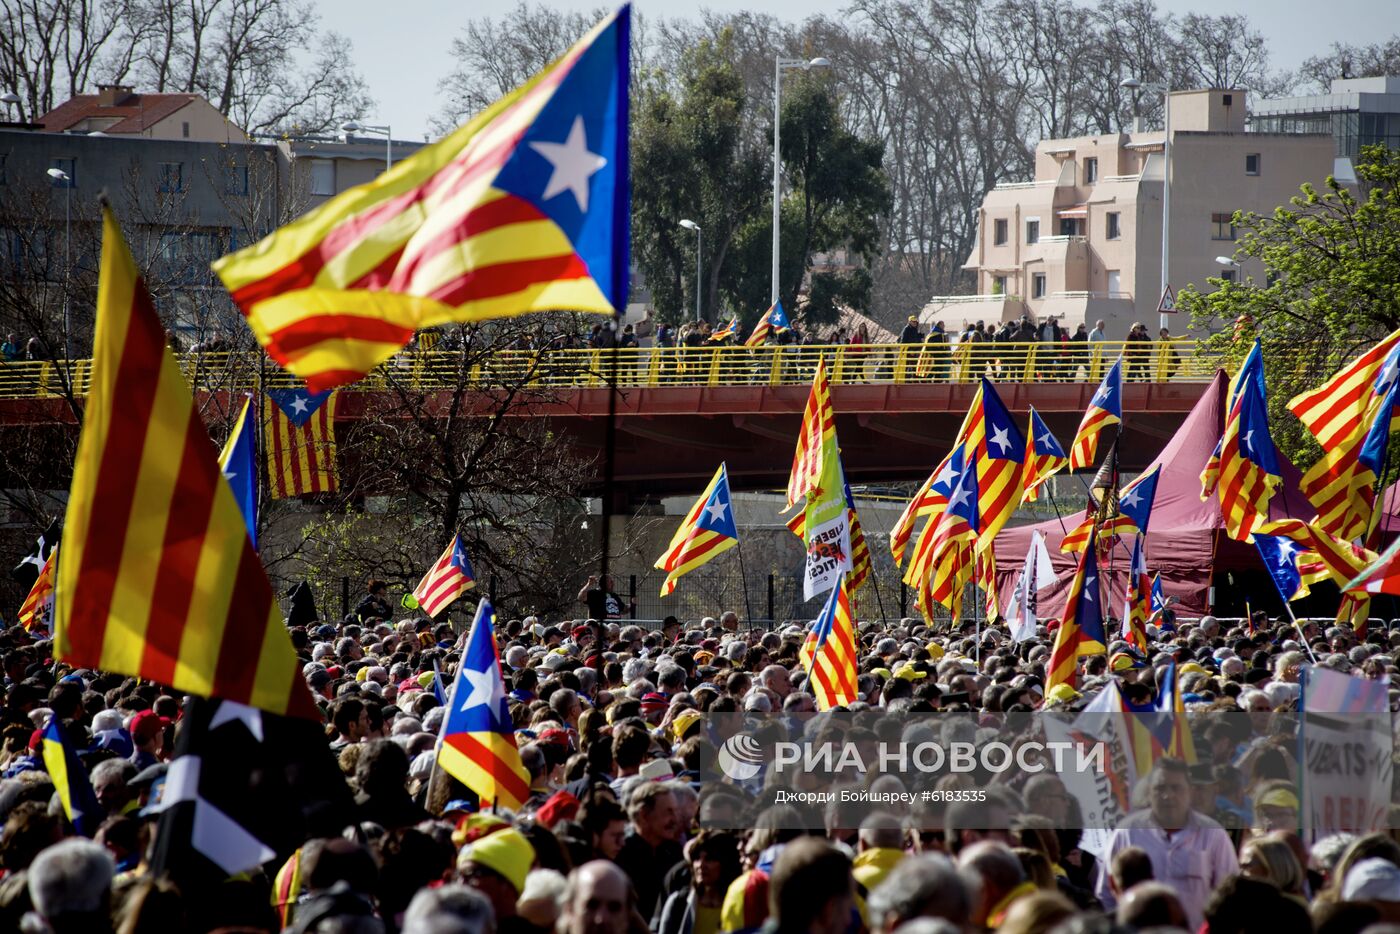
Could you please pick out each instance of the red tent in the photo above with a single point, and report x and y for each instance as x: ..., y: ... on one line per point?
x: 1186, y: 540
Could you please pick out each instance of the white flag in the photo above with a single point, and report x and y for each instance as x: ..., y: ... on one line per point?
x: 828, y: 555
x: 1036, y: 572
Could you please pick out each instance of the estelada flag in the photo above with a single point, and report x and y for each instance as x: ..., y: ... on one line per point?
x: 37, y: 609
x: 477, y: 743
x: 157, y: 578
x: 523, y: 209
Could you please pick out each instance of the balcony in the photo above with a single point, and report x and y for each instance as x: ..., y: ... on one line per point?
x: 952, y: 310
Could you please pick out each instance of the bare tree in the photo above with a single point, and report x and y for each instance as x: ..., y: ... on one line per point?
x: 50, y: 50
x: 1351, y: 61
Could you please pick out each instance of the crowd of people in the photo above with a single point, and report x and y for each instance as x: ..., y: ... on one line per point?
x: 629, y: 827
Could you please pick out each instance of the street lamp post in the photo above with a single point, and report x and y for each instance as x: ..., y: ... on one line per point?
x: 59, y: 175
x: 356, y: 127
x: 1160, y: 87
x: 699, y: 240
x: 782, y: 65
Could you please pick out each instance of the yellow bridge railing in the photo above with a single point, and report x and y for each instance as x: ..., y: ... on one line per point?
x: 771, y: 365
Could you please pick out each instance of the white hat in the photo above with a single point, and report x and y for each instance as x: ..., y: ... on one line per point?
x: 1372, y: 880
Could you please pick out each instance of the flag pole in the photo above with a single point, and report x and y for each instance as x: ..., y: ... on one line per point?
x: 743, y: 575
x: 609, y: 468
x: 1298, y: 626
x: 875, y: 582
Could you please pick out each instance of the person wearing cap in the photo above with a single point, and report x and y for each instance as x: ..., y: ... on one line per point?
x: 911, y: 333
x: 1189, y: 851
x: 147, y: 730
x: 1276, y: 808
x: 496, y: 866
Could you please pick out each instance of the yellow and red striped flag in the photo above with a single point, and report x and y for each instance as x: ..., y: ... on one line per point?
x: 829, y: 653
x: 774, y: 321
x: 933, y: 495
x: 951, y: 562
x: 1044, y: 457
x: 1081, y: 629
x: 1249, y: 469
x: 37, y: 610
x: 299, y: 438
x: 708, y: 529
x: 157, y: 578
x: 523, y: 209
x: 450, y: 576
x: 860, y: 550
x: 1336, y: 410
x: 997, y: 447
x: 1105, y: 409
x: 818, y: 428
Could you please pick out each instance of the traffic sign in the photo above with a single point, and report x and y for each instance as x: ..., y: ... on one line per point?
x: 1167, y: 306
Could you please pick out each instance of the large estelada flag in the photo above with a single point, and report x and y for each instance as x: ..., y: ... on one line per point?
x: 707, y: 530
x: 157, y: 577
x: 449, y: 577
x: 477, y: 743
x: 37, y: 610
x: 299, y: 437
x: 1105, y: 409
x: 829, y: 652
x: 525, y: 208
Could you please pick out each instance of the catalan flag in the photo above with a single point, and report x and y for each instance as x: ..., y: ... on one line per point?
x: 523, y: 209
x: 726, y: 332
x: 1342, y: 560
x: 1044, y: 457
x: 1000, y: 457
x: 938, y: 495
x: 477, y: 742
x: 1337, y: 409
x: 1210, y: 473
x: 860, y: 550
x: 951, y: 561
x: 37, y: 610
x: 1380, y: 576
x: 450, y: 576
x: 1280, y: 557
x: 1251, y: 369
x: 1135, y: 505
x: 1139, y: 597
x: 1159, y: 594
x: 70, y: 780
x: 1105, y: 408
x: 707, y: 530
x: 1176, y: 737
x: 932, y: 496
x: 817, y: 429
x: 829, y: 654
x: 239, y: 463
x: 1249, y: 468
x: 774, y: 321
x: 1081, y: 629
x: 157, y: 578
x: 299, y: 437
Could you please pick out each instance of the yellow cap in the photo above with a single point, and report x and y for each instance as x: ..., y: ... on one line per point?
x: 882, y: 673
x: 683, y: 721
x: 1279, y: 798
x: 909, y: 673
x: 425, y: 680
x: 1190, y: 667
x: 362, y: 674
x: 505, y: 852
x: 1061, y: 694
x: 935, y: 651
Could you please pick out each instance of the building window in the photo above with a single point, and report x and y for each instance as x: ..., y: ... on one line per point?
x: 1228, y: 275
x: 1112, y: 230
x: 185, y: 129
x: 1251, y: 163
x: 1222, y: 226
x: 1033, y: 231
x: 1091, y: 171
x: 999, y: 232
x: 322, y: 177
x: 235, y: 179
x: 998, y: 285
x: 68, y: 167
x: 1038, y: 285
x: 172, y: 177
x: 3, y: 180
x: 1115, y: 283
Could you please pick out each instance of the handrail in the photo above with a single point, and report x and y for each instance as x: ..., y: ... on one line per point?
x: 1181, y: 361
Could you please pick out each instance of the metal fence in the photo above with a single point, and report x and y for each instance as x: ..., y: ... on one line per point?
x: 641, y: 367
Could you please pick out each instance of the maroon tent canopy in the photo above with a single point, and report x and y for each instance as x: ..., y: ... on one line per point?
x: 1186, y: 539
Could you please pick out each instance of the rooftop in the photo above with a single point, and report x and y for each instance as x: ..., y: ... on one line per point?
x: 132, y: 112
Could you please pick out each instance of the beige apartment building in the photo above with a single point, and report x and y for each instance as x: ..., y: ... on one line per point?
x: 1083, y: 241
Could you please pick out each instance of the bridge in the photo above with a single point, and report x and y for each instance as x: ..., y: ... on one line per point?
x: 682, y: 410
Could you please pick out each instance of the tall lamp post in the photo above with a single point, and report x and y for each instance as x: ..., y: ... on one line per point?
x: 699, y: 240
x: 61, y: 177
x: 356, y: 127
x: 782, y: 65
x: 1164, y: 89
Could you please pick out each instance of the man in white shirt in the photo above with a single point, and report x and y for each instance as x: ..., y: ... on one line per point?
x: 1189, y: 852
x: 1098, y: 333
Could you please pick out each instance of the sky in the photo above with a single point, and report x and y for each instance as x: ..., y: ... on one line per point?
x: 404, y: 55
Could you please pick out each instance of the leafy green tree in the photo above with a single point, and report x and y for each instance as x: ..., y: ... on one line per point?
x: 1332, y: 284
x: 690, y: 161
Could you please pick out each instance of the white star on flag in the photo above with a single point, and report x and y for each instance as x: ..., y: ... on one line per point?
x: 485, y: 691
x: 716, y: 511
x: 1286, y: 551
x: 1245, y: 441
x: 945, y: 476
x: 299, y: 405
x: 1000, y: 439
x: 960, y: 496
x: 1132, y: 498
x: 1047, y: 441
x: 1102, y: 395
x: 1089, y: 588
x: 573, y: 164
